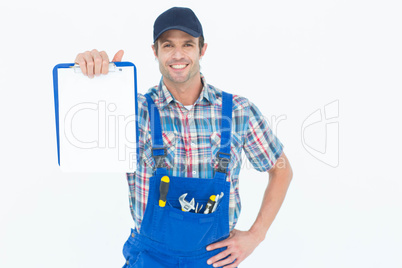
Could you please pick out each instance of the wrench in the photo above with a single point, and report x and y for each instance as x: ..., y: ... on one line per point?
x: 185, y: 205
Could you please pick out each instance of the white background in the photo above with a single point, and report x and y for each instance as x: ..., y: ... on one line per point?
x: 291, y: 58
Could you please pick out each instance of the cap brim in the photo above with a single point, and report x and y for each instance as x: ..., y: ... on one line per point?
x: 181, y: 28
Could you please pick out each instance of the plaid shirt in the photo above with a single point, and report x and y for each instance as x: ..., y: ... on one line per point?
x: 192, y: 139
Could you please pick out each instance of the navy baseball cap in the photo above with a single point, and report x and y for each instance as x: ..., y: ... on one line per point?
x: 178, y: 18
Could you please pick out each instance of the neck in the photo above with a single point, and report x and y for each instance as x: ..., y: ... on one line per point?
x: 186, y: 93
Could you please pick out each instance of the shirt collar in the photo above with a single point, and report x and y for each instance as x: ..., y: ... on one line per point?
x: 165, y: 97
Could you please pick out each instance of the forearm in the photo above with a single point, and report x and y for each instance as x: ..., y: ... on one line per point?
x: 240, y: 244
x: 279, y: 180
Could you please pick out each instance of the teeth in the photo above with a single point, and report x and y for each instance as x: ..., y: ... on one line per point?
x: 177, y: 66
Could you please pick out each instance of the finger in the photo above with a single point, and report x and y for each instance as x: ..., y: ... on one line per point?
x: 90, y: 64
x: 235, y: 264
x: 224, y: 262
x: 221, y: 244
x: 80, y: 60
x: 118, y: 56
x: 219, y: 256
x: 105, y: 62
x: 97, y: 61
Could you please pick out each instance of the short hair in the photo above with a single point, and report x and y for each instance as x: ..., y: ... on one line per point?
x: 200, y: 44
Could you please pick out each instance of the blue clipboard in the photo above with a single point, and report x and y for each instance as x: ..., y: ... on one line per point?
x: 77, y: 99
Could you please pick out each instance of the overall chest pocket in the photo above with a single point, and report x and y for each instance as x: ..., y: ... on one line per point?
x: 186, y: 231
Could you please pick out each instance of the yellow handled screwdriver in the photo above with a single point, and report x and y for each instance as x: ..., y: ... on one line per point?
x: 163, y: 190
x: 210, y: 204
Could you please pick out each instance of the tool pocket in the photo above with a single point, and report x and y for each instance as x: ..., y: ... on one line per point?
x: 184, y: 231
x: 202, y: 204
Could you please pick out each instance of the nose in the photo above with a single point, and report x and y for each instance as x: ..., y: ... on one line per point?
x: 178, y: 53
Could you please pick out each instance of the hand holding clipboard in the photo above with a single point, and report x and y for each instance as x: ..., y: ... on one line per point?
x: 96, y: 63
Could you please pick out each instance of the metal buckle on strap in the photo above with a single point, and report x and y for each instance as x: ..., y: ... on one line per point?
x: 159, y: 159
x: 223, y: 162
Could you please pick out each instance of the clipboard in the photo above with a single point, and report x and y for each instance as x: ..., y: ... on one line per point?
x: 96, y: 119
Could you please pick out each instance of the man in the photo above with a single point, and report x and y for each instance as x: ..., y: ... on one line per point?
x: 196, y: 151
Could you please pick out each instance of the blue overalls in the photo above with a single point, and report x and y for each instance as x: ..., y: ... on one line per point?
x: 170, y: 237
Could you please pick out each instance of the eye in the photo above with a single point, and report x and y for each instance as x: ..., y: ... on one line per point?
x: 166, y: 45
x: 188, y: 45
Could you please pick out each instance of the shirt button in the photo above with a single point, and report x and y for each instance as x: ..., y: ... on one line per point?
x: 193, y: 144
x: 132, y: 235
x: 194, y: 172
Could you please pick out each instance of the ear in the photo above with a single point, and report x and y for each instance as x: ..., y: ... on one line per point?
x: 204, y: 48
x: 153, y: 48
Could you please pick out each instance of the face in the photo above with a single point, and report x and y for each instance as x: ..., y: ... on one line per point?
x: 178, y: 56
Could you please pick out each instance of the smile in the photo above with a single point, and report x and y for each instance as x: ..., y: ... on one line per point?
x: 178, y: 66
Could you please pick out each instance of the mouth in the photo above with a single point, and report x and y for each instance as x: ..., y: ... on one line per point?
x: 178, y: 67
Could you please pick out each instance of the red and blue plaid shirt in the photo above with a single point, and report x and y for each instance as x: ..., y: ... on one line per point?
x: 192, y: 139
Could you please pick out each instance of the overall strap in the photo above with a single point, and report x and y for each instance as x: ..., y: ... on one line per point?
x: 223, y: 155
x: 158, y: 151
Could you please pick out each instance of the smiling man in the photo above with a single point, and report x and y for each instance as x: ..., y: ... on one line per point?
x: 179, y: 54
x: 191, y: 136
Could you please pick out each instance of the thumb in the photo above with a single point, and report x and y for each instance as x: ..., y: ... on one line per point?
x: 118, y: 56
